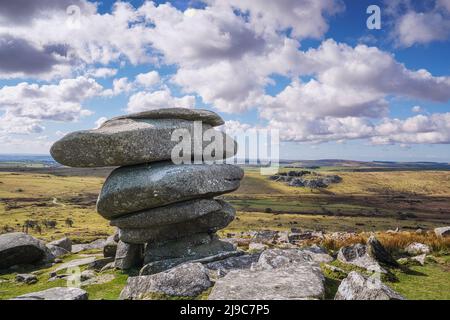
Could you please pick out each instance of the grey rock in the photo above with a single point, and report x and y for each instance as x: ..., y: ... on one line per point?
x: 170, y: 214
x: 64, y: 243
x: 357, y: 255
x: 19, y: 248
x: 288, y: 278
x: 103, y: 278
x: 98, y: 264
x: 110, y: 248
x: 265, y: 236
x: 256, y: 246
x: 318, y: 254
x: 128, y: 255
x: 57, y: 251
x: 108, y: 266
x: 203, y: 115
x: 186, y: 280
x: 222, y: 267
x: 26, y: 278
x: 416, y: 248
x: 135, y: 188
x: 135, y: 140
x: 58, y: 293
x: 420, y: 259
x: 76, y: 263
x: 442, y: 232
x: 87, y: 274
x: 192, y: 248
x: 163, y: 265
x: 96, y: 244
x: 208, y: 223
x: 278, y: 258
x: 358, y: 287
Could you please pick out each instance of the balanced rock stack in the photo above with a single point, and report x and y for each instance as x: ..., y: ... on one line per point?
x: 165, y: 212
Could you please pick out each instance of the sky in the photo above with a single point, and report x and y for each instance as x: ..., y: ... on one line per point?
x: 311, y: 69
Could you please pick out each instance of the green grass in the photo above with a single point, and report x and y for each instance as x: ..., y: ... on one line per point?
x: 429, y: 282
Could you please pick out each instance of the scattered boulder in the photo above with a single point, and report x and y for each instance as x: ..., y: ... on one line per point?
x: 96, y: 244
x: 76, y: 263
x: 128, y: 255
x: 57, y: 251
x: 420, y: 259
x: 318, y: 254
x: 58, y: 293
x: 442, y: 232
x: 64, y: 243
x: 186, y: 280
x: 222, y: 267
x: 278, y: 258
x: 357, y: 255
x: 416, y: 248
x: 86, y: 275
x: 19, y: 248
x: 134, y: 188
x: 358, y: 287
x: 26, y: 278
x: 256, y: 246
x: 278, y: 275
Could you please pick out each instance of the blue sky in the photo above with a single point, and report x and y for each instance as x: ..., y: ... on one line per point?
x: 332, y: 87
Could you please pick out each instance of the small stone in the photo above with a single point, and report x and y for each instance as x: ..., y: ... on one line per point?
x: 135, y: 188
x: 420, y: 258
x: 358, y: 287
x: 57, y: 251
x: 442, y: 232
x: 64, y: 243
x: 186, y: 280
x: 26, y: 278
x: 256, y: 246
x: 86, y: 275
x: 416, y: 248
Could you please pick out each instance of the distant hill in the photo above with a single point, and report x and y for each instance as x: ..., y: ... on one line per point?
x: 367, y: 165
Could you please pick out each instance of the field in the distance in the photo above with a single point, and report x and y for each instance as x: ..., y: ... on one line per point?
x: 363, y: 201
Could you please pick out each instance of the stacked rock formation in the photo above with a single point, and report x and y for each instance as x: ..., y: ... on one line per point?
x: 165, y: 212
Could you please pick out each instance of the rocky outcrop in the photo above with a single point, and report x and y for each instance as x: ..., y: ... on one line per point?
x: 186, y: 280
x: 19, y: 248
x: 358, y: 287
x: 165, y: 207
x: 64, y: 243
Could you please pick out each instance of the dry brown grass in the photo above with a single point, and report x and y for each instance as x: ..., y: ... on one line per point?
x: 393, y: 242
